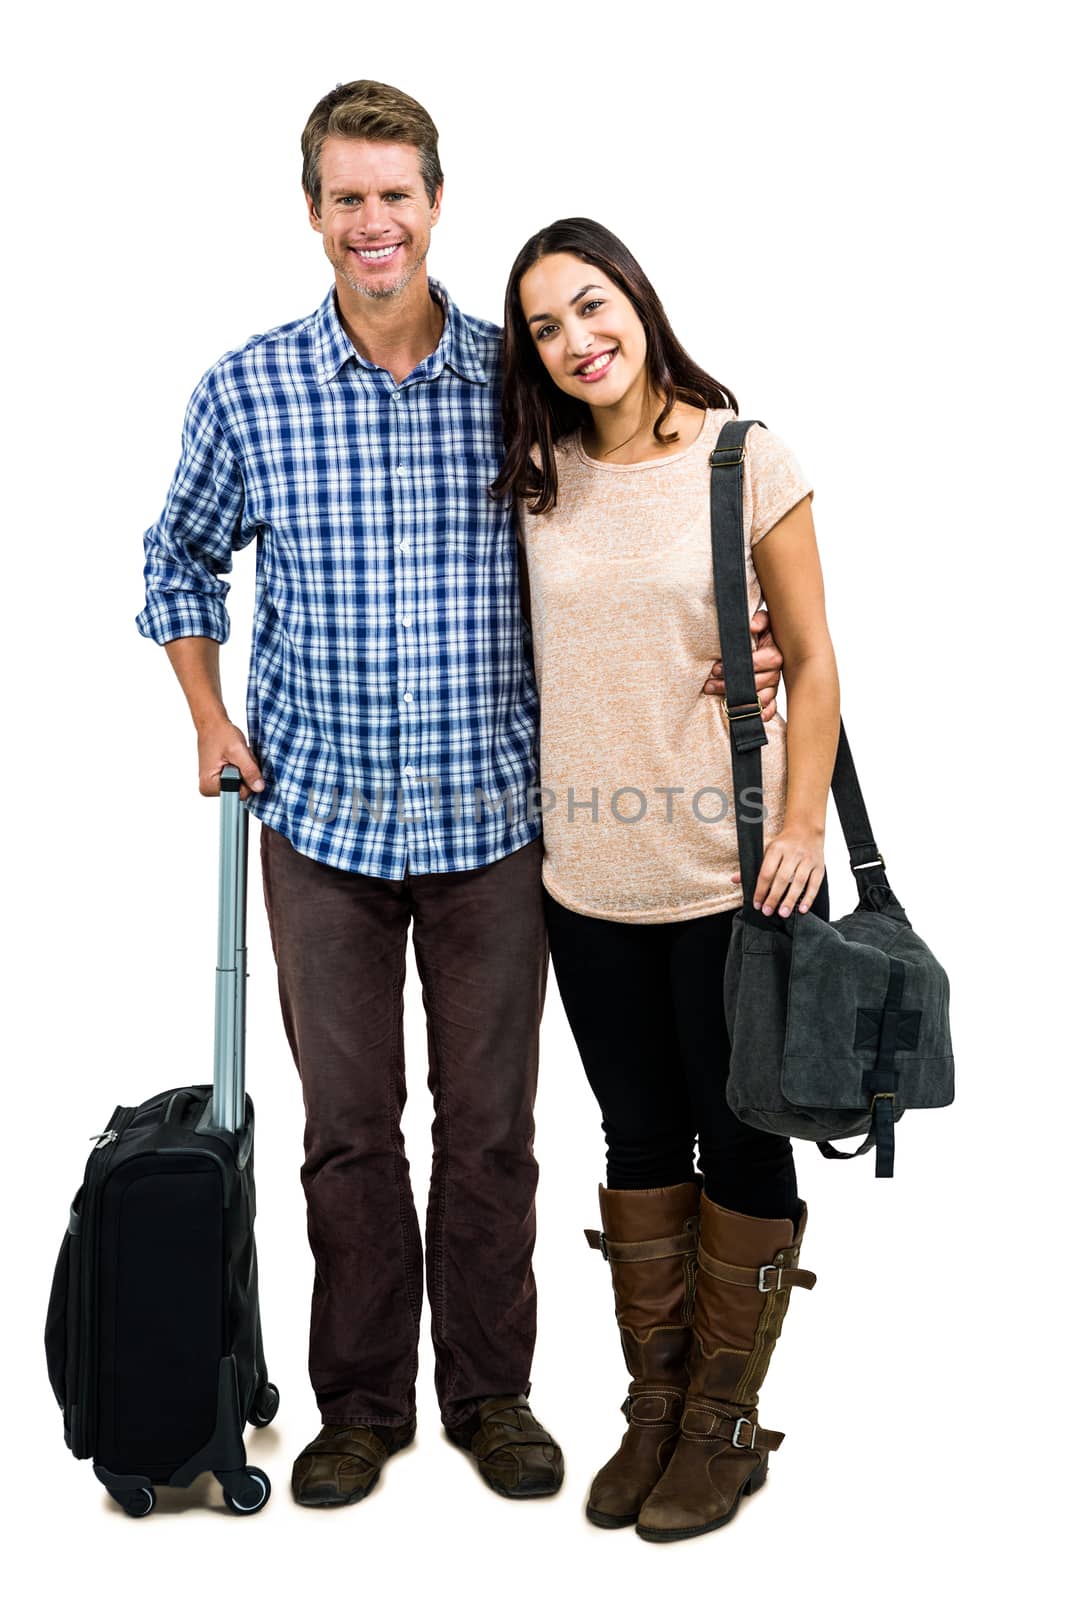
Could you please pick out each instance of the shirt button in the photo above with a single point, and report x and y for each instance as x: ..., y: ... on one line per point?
x: 409, y: 772
x: 408, y: 698
x: 401, y: 471
x: 403, y: 545
x: 406, y: 622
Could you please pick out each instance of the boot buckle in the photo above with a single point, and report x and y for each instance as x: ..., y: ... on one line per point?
x: 604, y: 1247
x: 744, y: 1422
x: 762, y: 1283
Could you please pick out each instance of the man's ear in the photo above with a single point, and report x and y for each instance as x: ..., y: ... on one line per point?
x: 435, y: 209
x: 313, y: 216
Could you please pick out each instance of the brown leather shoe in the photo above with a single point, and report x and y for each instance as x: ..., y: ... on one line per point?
x: 344, y: 1462
x: 650, y: 1240
x: 747, y: 1268
x: 515, y: 1455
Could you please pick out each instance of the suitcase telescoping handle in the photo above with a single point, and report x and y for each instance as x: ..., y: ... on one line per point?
x: 228, y: 1100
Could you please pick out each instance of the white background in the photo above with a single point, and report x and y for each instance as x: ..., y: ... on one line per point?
x: 849, y: 212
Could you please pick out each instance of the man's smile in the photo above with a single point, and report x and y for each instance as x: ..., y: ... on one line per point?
x: 381, y: 252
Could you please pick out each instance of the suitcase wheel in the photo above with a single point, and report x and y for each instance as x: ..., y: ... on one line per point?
x: 245, y: 1492
x: 137, y: 1503
x: 264, y: 1406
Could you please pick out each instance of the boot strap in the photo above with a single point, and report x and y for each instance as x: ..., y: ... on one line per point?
x: 356, y: 1441
x: 494, y: 1435
x: 682, y: 1244
x: 768, y: 1279
x: 651, y: 1408
x: 744, y: 1433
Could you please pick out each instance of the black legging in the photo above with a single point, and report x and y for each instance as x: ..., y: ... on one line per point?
x: 644, y: 1001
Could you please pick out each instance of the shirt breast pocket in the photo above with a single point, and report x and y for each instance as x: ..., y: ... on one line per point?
x: 474, y: 524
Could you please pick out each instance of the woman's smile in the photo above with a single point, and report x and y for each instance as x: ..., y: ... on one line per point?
x: 593, y: 369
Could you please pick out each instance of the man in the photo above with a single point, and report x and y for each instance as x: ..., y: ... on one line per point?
x: 392, y: 715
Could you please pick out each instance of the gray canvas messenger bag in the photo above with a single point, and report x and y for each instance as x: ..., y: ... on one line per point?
x: 836, y: 1028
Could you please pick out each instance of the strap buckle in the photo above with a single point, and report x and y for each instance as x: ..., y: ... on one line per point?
x: 744, y: 1422
x: 883, y: 1096
x: 768, y: 1288
x: 750, y: 708
x: 879, y: 861
x: 728, y: 455
x: 604, y: 1246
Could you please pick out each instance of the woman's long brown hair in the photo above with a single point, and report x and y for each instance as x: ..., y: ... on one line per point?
x: 535, y: 411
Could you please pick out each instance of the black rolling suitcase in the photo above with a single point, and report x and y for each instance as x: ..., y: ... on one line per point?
x: 153, y: 1338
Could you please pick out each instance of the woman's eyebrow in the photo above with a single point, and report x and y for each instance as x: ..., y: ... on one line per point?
x: 543, y: 316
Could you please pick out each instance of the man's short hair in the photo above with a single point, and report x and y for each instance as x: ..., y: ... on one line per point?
x: 365, y: 109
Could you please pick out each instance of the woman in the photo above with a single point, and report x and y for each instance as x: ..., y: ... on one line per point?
x: 609, y: 427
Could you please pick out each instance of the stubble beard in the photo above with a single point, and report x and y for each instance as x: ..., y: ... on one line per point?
x: 387, y: 290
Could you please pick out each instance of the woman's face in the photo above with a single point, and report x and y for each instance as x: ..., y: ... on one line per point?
x: 586, y: 331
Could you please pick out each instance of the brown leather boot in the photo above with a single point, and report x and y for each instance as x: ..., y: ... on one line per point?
x: 649, y: 1238
x: 746, y: 1269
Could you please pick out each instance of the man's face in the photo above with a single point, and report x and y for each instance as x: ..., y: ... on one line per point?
x: 375, y: 217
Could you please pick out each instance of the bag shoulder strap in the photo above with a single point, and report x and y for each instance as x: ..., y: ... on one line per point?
x: 747, y: 732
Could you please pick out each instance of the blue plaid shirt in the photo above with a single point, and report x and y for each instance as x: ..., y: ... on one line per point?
x: 392, y: 704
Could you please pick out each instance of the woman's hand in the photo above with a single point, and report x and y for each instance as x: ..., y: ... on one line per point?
x: 793, y: 869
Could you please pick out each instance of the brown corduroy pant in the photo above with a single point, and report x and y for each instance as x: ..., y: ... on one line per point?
x: 340, y: 942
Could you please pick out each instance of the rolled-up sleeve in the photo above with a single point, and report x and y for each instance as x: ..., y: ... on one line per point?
x: 202, y: 524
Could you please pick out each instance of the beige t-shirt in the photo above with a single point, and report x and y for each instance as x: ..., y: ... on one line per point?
x: 624, y: 633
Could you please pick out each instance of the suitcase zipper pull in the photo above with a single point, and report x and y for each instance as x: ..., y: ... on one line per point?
x: 102, y: 1139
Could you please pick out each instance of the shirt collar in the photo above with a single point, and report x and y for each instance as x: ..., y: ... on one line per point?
x: 456, y: 348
